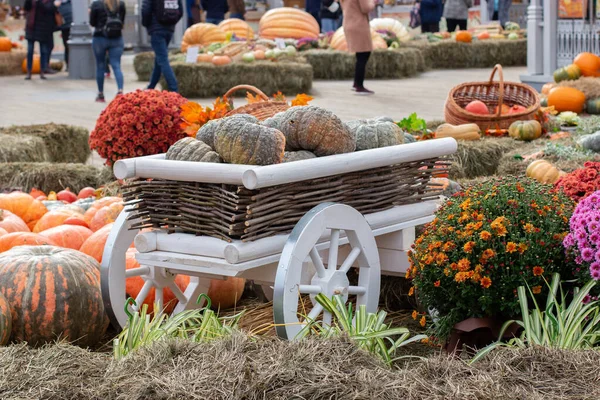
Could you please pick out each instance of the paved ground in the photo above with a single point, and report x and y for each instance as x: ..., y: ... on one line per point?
x: 67, y: 101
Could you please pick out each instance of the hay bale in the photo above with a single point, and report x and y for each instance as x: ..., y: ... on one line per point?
x: 16, y: 148
x: 475, y: 158
x: 143, y: 63
x: 383, y: 64
x: 588, y: 85
x: 435, y: 123
x: 64, y: 143
x: 512, y: 163
x: 208, y: 80
x: 53, y: 176
x: 10, y: 62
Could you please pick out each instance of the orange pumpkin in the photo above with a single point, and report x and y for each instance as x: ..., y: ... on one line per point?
x: 11, y: 222
x: 464, y: 36
x: 259, y: 54
x: 76, y: 220
x: 26, y: 207
x: 86, y: 192
x: 94, y: 245
x: 35, y: 68
x: 105, y: 215
x: 240, y: 28
x: 15, y: 239
x: 204, y: 58
x: 5, y: 44
x: 201, y: 34
x: 68, y: 236
x: 3, y: 232
x: 54, y: 218
x: 588, y: 63
x: 338, y: 40
x: 226, y: 293
x: 35, y: 193
x: 221, y: 60
x: 98, y: 204
x: 566, y: 99
x: 548, y: 87
x: 288, y: 23
x: 483, y: 35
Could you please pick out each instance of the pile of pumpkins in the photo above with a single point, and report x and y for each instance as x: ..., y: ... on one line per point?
x: 518, y: 130
x: 51, y: 247
x: 565, y: 98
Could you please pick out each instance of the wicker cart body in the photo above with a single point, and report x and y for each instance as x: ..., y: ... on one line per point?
x: 261, y: 110
x: 324, y: 216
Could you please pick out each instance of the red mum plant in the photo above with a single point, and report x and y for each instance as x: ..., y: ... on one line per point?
x: 137, y: 124
x: 582, y: 182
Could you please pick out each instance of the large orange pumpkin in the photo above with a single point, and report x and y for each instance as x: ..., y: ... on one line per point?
x: 566, y: 99
x: 226, y: 293
x: 464, y: 36
x: 338, y: 40
x: 588, y: 63
x: 240, y: 28
x: 94, y: 245
x: 3, y: 232
x: 105, y: 215
x: 5, y: 44
x: 11, y: 222
x: 16, y: 239
x: 201, y: 34
x: 98, y: 204
x: 288, y: 23
x: 5, y: 321
x: 55, y: 218
x: 53, y: 292
x: 35, y: 68
x: 68, y: 236
x: 26, y: 207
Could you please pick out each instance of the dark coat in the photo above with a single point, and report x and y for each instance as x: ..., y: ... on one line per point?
x: 215, y: 9
x: 98, y: 16
x: 236, y: 6
x: 149, y: 18
x: 326, y: 14
x: 41, y: 22
x: 431, y: 11
x: 66, y: 10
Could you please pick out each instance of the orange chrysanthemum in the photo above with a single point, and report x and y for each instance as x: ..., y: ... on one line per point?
x: 411, y: 291
x: 537, y: 271
x: 511, y: 247
x: 415, y: 314
x: 529, y: 228
x: 464, y: 265
x: 485, y: 235
x: 485, y: 282
x: 468, y: 247
x: 536, y: 289
x: 522, y: 248
x: 423, y: 321
x: 436, y: 283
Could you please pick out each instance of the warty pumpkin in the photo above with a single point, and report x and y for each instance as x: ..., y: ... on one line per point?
x: 11, y: 222
x: 568, y: 73
x: 201, y: 34
x: 16, y: 239
x: 240, y: 28
x: 291, y: 156
x: 242, y: 140
x: 190, y: 149
x: 23, y: 205
x: 5, y: 321
x: 566, y: 99
x: 59, y: 295
x: 588, y: 63
x: 525, y: 130
x: 314, y: 129
x: 288, y: 23
x: 376, y: 132
x: 543, y: 172
x: 68, y: 236
x: 464, y: 36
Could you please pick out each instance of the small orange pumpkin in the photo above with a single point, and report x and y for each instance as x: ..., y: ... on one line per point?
x: 548, y: 87
x: 483, y: 35
x: 464, y: 36
x: 5, y: 44
x: 259, y: 54
x: 35, y: 68
x: 566, y: 99
x: 226, y: 293
x: 204, y: 58
x: 588, y: 63
x: 221, y: 60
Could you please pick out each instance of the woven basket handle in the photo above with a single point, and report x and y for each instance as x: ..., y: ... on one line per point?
x: 498, y: 68
x: 250, y: 88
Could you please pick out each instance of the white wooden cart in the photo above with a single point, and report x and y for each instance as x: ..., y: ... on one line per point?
x: 314, y: 258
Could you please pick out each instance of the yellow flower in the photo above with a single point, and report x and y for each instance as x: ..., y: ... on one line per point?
x: 450, y: 217
x: 415, y: 314
x: 464, y: 265
x: 411, y: 291
x: 511, y: 247
x: 468, y: 247
x: 407, y: 275
x: 485, y: 235
x: 536, y: 289
x: 465, y: 204
x: 537, y: 271
x: 486, y: 282
x: 463, y: 217
x: 529, y: 228
x: 522, y: 248
x: 423, y: 321
x: 447, y: 271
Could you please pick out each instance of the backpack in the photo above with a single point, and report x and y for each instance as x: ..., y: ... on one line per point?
x: 167, y: 12
x: 114, y: 25
x: 415, y: 16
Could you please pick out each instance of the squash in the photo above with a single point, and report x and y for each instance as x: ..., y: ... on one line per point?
x: 547, y: 87
x: 592, y: 106
x: 240, y: 28
x: 391, y: 25
x: 483, y: 35
x: 205, y: 58
x: 288, y: 23
x: 106, y: 215
x: 5, y: 44
x: 544, y: 172
x: 314, y: 129
x: 55, y: 218
x: 221, y: 60
x: 23, y: 205
x: 240, y: 139
x: 68, y: 236
x: 97, y: 205
x: 5, y: 320
x: 525, y: 130
x: 11, y: 222
x: 16, y: 239
x: 226, y: 293
x: 201, y: 34
x: 61, y: 297
x: 259, y: 54
x: 290, y: 156
x: 566, y: 99
x: 338, y: 40
x: 589, y: 64
x: 568, y: 73
x: 190, y: 149
x: 376, y: 132
x: 464, y: 36
x: 458, y: 132
x: 35, y: 68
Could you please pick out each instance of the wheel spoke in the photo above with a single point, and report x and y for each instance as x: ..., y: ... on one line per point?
x: 327, y: 318
x: 309, y: 289
x: 350, y: 259
x: 334, y: 241
x: 358, y: 290
x: 314, y: 313
x: 317, y: 262
x: 142, y: 295
x: 137, y: 272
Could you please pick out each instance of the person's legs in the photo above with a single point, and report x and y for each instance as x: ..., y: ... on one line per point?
x: 462, y: 24
x: 452, y: 24
x: 157, y: 42
x: 44, y: 58
x: 115, y: 51
x: 50, y: 45
x: 361, y: 68
x: 215, y: 21
x: 99, y: 48
x: 237, y: 15
x: 495, y: 16
x: 327, y: 25
x: 30, y: 47
x: 160, y: 42
x: 65, y: 33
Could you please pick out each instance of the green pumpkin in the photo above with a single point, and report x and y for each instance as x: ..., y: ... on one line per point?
x: 568, y: 73
x: 525, y: 130
x: 190, y: 149
x: 592, y: 106
x: 544, y: 101
x: 375, y: 133
x: 5, y: 321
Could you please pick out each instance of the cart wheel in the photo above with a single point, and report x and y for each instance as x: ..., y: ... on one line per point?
x: 327, y: 279
x: 114, y: 273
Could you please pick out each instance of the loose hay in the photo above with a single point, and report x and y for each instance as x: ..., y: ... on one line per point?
x: 588, y: 85
x: 15, y: 148
x: 243, y: 368
x: 53, y: 176
x: 479, y: 157
x: 64, y: 143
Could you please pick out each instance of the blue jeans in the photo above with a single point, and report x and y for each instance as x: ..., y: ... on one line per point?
x: 44, y: 55
x: 329, y: 25
x: 160, y: 45
x: 114, y: 47
x: 215, y: 21
x: 236, y: 15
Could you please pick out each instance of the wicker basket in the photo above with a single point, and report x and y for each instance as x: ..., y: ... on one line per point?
x: 263, y: 110
x: 492, y: 94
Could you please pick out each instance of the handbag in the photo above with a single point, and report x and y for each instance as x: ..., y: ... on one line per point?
x: 58, y: 19
x: 415, y: 16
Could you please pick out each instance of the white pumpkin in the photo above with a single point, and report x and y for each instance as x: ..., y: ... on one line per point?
x: 392, y: 25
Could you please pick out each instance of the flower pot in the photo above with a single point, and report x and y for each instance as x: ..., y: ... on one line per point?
x: 568, y: 128
x: 476, y: 333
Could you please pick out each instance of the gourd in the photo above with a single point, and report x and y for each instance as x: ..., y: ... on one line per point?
x: 458, y: 132
x: 201, y: 34
x: 11, y: 222
x: 226, y: 293
x: 592, y: 106
x: 259, y: 54
x: 588, y: 63
x: 106, y: 215
x: 568, y: 73
x: 543, y: 101
x: 338, y: 40
x: 375, y: 133
x: 543, y: 172
x: 548, y: 87
x: 239, y: 139
x: 288, y: 23
x: 55, y: 218
x: 391, y: 25
x: 591, y: 142
x: 190, y: 149
x: 62, y: 296
x: 5, y: 321
x: 5, y: 44
x: 205, y: 58
x: 16, y: 239
x: 525, y: 130
x: 221, y: 60
x: 68, y: 236
x: 24, y: 206
x: 238, y: 27
x: 566, y: 99
x: 464, y: 36
x: 314, y: 129
x: 290, y: 156
x: 97, y: 205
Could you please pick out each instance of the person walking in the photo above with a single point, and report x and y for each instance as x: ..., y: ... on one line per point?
x: 159, y: 17
x: 237, y: 9
x: 65, y: 9
x: 215, y: 10
x: 498, y: 9
x: 331, y: 13
x: 40, y: 23
x: 108, y: 17
x: 431, y: 12
x: 193, y: 12
x: 456, y: 13
x: 358, y: 37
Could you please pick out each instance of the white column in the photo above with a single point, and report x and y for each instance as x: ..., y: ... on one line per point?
x: 535, y: 39
x: 483, y: 12
x: 81, y: 57
x: 550, y: 36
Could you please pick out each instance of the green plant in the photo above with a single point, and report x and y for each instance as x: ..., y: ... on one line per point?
x: 367, y: 330
x: 568, y: 118
x: 589, y: 125
x: 416, y: 126
x: 566, y: 323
